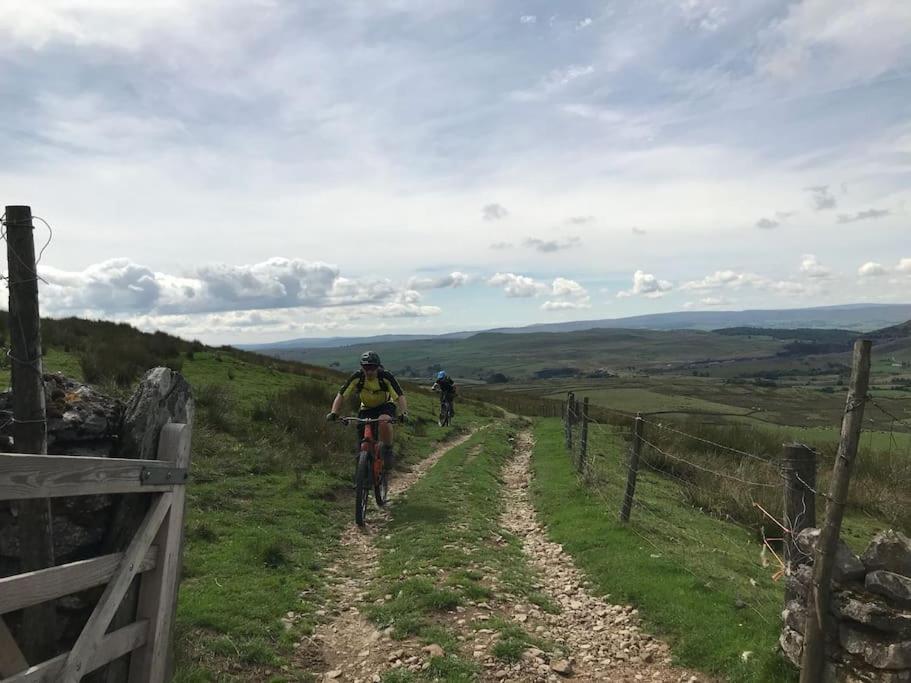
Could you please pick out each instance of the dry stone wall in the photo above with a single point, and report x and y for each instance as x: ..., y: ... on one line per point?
x: 871, y: 608
x: 83, y: 421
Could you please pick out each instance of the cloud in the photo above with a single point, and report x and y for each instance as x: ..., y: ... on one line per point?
x: 725, y: 279
x: 580, y: 220
x: 822, y: 198
x: 550, y: 246
x: 118, y: 287
x: 566, y: 295
x: 904, y: 265
x: 517, y: 286
x: 639, y: 231
x: 452, y: 281
x: 501, y: 245
x: 494, y: 212
x: 584, y: 23
x: 555, y: 80
x: 811, y: 267
x: 765, y: 223
x: 872, y: 269
x: 715, y: 301
x: 863, y: 215
x: 528, y: 19
x: 646, y: 284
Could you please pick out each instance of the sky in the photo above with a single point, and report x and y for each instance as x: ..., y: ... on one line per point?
x: 258, y: 170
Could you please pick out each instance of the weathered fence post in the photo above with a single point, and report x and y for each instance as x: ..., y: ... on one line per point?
x: 632, y: 469
x: 39, y: 631
x: 583, y: 437
x: 570, y: 417
x: 818, y: 617
x: 798, y: 469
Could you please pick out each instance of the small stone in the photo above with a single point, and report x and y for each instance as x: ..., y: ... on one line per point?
x: 502, y: 673
x: 434, y: 650
x: 564, y: 667
x: 335, y: 673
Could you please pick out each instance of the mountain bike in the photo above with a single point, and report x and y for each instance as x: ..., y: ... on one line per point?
x: 446, y: 412
x: 370, y: 470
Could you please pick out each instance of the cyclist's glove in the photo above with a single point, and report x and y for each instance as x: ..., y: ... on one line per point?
x: 331, y: 417
x: 403, y: 418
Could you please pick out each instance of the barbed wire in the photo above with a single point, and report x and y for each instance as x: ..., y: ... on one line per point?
x: 707, y: 469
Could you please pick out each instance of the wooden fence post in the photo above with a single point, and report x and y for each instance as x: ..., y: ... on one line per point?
x: 39, y: 631
x: 798, y: 469
x: 583, y: 436
x: 632, y: 469
x: 818, y: 617
x: 570, y: 418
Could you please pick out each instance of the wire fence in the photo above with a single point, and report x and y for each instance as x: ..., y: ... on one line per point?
x: 723, y: 513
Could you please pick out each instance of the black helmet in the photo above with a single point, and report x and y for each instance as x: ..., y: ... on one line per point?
x: 370, y: 358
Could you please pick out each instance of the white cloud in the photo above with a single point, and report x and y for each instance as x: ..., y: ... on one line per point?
x: 725, y: 278
x: 528, y: 19
x: 453, y: 280
x: 836, y: 43
x: 565, y: 305
x: 872, y: 269
x: 639, y: 231
x: 811, y: 267
x: 123, y: 287
x: 715, y: 301
x: 565, y: 295
x: 647, y: 285
x: 904, y: 265
x: 555, y: 80
x: 584, y: 23
x: 517, y: 286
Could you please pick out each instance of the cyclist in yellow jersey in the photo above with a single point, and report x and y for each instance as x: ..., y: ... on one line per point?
x: 381, y: 398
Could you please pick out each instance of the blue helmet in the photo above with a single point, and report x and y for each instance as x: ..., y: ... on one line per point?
x: 441, y: 374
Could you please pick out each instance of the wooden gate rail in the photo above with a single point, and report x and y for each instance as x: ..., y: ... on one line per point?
x: 154, y: 552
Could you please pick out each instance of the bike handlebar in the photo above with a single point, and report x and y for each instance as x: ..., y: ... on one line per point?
x: 363, y: 420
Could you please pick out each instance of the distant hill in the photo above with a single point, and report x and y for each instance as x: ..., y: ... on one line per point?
x: 848, y: 318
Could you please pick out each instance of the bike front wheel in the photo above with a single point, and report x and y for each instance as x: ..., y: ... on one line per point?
x: 361, y: 489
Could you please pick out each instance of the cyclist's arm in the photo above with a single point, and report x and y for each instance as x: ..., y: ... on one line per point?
x: 344, y: 391
x: 402, y: 404
x: 435, y: 387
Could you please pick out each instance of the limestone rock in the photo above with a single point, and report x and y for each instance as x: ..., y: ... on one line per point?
x: 791, y: 643
x: 564, y: 667
x: 848, y: 566
x: 798, y: 583
x: 882, y: 655
x: 794, y: 616
x: 163, y: 396
x: 873, y: 613
x: 894, y: 587
x: 434, y: 650
x: 890, y: 551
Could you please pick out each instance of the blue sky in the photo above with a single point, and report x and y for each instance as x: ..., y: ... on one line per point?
x: 254, y: 171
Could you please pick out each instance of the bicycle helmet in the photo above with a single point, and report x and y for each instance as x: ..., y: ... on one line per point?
x: 370, y: 358
x: 441, y: 374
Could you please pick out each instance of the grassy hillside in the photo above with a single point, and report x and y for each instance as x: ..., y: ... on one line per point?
x: 269, y: 490
x: 527, y: 355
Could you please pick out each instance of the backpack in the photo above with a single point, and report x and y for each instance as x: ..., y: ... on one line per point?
x: 380, y: 376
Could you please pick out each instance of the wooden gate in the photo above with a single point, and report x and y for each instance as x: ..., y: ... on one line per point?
x: 154, y: 553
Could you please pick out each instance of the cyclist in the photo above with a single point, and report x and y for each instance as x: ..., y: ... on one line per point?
x: 381, y: 397
x: 446, y: 386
